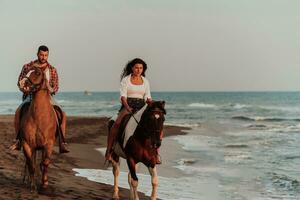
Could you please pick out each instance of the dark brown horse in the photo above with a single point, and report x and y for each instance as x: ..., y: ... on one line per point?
x: 142, y: 147
x: 38, y: 126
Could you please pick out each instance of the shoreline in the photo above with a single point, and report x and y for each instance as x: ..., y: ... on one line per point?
x: 84, y: 136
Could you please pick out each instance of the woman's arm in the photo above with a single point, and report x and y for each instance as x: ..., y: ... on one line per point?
x: 123, y: 94
x: 148, y: 93
x: 125, y: 104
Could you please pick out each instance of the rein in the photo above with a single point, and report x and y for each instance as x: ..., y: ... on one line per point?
x: 135, y: 119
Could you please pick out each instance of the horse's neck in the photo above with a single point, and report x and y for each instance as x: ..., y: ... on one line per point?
x: 139, y: 129
x: 41, y: 100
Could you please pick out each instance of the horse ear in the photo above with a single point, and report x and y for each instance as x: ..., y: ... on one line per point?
x: 162, y: 105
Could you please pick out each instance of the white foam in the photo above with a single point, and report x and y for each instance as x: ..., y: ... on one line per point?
x: 182, y: 124
x: 193, y: 142
x: 202, y: 105
x: 182, y: 188
x: 184, y: 161
x: 281, y: 108
x: 240, y: 106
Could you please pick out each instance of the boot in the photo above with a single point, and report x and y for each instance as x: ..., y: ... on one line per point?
x: 17, y: 142
x: 63, y: 148
x: 16, y: 146
x: 62, y: 144
x: 158, y: 159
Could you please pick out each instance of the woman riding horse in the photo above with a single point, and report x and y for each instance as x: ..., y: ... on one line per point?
x: 134, y: 92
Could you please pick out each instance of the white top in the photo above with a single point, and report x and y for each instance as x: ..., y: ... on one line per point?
x: 127, y: 89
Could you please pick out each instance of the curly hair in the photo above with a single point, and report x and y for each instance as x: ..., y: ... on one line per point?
x: 128, y: 68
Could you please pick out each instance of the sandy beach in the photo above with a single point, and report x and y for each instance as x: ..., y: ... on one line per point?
x: 84, y: 135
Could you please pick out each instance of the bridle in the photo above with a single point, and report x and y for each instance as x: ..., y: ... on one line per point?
x: 33, y: 85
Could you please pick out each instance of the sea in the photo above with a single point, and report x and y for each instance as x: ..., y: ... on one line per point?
x: 240, y: 146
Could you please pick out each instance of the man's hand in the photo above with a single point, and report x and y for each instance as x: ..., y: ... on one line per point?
x: 26, y: 89
x: 22, y: 83
x: 51, y: 90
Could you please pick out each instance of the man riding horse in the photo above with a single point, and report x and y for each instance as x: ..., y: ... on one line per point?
x: 52, y: 78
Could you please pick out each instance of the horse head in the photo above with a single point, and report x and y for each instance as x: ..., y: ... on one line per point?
x: 36, y: 79
x: 152, y: 122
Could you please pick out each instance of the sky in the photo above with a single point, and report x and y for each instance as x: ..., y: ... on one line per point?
x: 189, y: 45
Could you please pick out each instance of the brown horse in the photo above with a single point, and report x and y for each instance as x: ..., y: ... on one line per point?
x: 38, y: 126
x: 141, y: 147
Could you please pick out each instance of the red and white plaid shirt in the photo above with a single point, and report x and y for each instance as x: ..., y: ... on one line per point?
x: 52, y: 71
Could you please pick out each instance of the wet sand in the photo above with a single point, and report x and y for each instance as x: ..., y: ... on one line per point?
x: 84, y: 136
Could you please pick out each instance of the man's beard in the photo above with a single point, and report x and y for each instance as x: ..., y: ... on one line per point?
x: 43, y: 61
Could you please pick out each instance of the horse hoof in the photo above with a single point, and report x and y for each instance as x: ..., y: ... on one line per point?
x: 45, y: 185
x: 33, y: 189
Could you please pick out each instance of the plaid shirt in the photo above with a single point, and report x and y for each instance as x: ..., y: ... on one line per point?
x: 53, y: 76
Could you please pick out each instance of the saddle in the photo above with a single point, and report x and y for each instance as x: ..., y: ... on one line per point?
x: 126, y: 130
x: 57, y: 110
x: 119, y: 150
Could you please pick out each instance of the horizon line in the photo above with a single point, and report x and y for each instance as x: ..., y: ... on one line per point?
x: 169, y: 91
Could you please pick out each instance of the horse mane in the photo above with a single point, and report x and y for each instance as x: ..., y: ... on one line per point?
x: 142, y: 130
x: 154, y: 105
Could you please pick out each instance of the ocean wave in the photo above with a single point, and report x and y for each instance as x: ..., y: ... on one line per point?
x: 196, y: 143
x: 284, y: 129
x: 281, y: 108
x: 62, y: 101
x: 239, y: 106
x: 180, y: 187
x: 266, y: 119
x: 257, y: 126
x: 236, y: 146
x: 182, y: 124
x: 292, y: 157
x: 284, y: 182
x: 186, y: 161
x: 237, y: 157
x: 202, y: 105
x: 279, y: 128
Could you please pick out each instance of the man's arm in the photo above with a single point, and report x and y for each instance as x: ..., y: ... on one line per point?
x: 22, y: 78
x: 54, y: 81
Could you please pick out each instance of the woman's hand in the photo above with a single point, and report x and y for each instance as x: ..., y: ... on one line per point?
x: 149, y: 101
x: 129, y: 109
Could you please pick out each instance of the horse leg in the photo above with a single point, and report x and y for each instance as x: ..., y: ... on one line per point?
x: 131, y: 189
x: 45, y: 163
x: 132, y: 179
x: 29, y: 161
x: 17, y: 121
x: 116, y: 172
x: 154, y: 181
x: 26, y: 177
